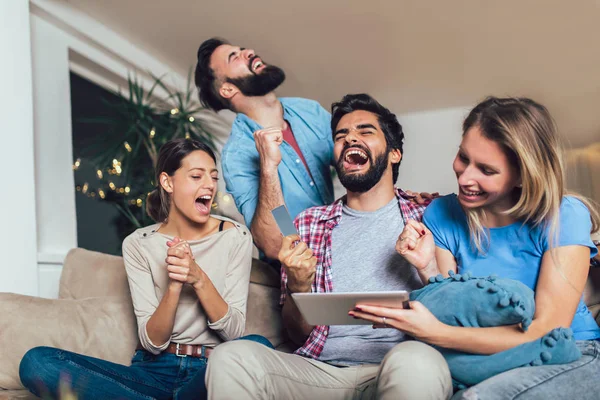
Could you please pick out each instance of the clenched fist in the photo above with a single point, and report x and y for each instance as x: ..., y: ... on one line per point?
x: 416, y: 244
x: 299, y: 263
x: 267, y: 143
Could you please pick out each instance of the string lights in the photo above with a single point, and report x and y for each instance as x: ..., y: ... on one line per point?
x: 124, y: 161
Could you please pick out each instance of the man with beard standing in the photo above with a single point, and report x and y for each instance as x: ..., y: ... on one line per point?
x: 280, y: 149
x: 348, y: 246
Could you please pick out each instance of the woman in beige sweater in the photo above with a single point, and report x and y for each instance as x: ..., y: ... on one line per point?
x: 188, y: 276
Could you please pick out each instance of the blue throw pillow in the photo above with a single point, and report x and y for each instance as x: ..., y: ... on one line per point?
x: 462, y: 300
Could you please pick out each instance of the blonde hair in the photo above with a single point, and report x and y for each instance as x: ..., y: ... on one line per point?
x: 528, y: 136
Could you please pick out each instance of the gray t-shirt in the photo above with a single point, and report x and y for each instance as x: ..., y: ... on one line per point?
x: 364, y: 259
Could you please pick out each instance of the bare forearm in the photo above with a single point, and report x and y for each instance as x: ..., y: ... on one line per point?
x: 264, y: 228
x: 297, y: 328
x: 431, y: 270
x: 213, y: 304
x: 489, y: 340
x: 160, y: 324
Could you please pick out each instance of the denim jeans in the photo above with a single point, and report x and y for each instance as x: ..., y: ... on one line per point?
x: 51, y: 373
x: 577, y: 380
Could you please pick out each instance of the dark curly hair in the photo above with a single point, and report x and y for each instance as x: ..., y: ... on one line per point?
x: 388, y: 122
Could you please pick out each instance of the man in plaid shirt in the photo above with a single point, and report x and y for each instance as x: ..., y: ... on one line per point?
x: 346, y: 246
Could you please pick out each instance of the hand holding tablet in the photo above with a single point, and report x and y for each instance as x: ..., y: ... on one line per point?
x: 332, y: 308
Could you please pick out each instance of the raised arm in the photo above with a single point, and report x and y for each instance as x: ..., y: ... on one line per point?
x: 416, y: 244
x: 264, y: 228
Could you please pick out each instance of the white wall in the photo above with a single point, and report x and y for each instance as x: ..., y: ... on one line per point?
x: 431, y: 141
x: 18, y: 272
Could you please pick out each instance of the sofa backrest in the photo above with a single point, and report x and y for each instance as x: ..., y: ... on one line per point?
x: 91, y: 274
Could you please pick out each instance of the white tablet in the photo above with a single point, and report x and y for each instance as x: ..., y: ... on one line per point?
x: 332, y: 308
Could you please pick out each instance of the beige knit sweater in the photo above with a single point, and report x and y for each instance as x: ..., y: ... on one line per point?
x: 226, y: 258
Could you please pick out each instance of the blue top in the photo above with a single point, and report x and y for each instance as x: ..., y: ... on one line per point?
x: 515, y: 250
x: 311, y: 126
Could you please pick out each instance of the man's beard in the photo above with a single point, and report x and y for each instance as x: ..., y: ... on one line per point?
x: 260, y: 84
x: 362, y: 182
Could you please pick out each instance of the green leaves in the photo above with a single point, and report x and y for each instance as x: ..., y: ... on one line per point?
x: 134, y: 128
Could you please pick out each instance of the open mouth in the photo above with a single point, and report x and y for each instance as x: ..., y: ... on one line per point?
x: 203, y: 204
x: 256, y: 64
x: 355, y: 159
x: 470, y: 195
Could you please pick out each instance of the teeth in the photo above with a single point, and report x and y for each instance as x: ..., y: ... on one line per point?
x: 357, y: 152
x: 471, y: 193
x: 207, y: 197
x: 258, y: 64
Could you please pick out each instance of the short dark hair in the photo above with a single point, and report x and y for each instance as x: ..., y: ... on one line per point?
x: 205, y: 77
x: 388, y: 122
x: 169, y: 160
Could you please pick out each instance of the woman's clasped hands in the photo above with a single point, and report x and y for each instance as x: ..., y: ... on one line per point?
x: 182, y: 266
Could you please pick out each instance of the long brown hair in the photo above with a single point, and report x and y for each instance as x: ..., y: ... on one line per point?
x: 170, y: 155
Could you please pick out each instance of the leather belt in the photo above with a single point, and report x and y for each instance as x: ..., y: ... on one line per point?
x: 192, y: 350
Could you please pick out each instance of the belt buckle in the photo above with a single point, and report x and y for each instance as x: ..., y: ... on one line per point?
x: 177, y: 351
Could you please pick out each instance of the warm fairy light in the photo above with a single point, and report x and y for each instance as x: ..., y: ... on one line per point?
x: 84, y: 189
x: 187, y: 135
x: 191, y: 119
x: 117, y: 167
x: 121, y: 190
x: 78, y: 188
x: 138, y: 202
x: 152, y: 133
x: 99, y: 174
x: 92, y: 194
x: 77, y: 164
x: 101, y: 193
x: 127, y: 189
x: 226, y: 199
x: 111, y: 185
x: 127, y: 147
x: 174, y: 111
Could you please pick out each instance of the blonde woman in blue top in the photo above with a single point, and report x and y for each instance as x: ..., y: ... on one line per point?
x: 512, y: 217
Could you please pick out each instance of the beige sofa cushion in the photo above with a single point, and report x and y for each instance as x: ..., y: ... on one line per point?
x: 99, y: 327
x: 91, y: 274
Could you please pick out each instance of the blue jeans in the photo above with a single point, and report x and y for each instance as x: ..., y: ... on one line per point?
x: 49, y: 373
x: 577, y: 380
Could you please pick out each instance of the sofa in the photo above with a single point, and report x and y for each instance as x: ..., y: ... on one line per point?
x: 94, y: 315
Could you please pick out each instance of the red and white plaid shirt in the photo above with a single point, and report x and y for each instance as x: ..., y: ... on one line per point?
x: 314, y: 227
